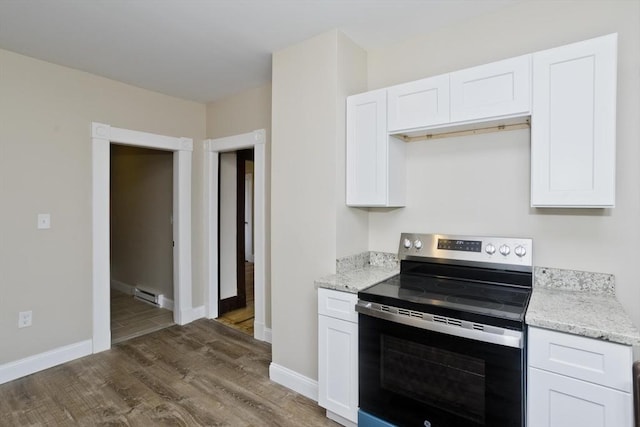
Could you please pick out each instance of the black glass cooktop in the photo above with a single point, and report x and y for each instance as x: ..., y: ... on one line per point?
x: 460, y: 298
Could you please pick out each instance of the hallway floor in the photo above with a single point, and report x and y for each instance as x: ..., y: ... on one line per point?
x: 131, y: 318
x: 242, y: 318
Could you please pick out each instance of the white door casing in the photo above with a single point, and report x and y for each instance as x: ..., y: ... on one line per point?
x: 213, y: 148
x: 102, y: 137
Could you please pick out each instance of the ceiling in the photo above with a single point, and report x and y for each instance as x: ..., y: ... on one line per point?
x: 204, y: 50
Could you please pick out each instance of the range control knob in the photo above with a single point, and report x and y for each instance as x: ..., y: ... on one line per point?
x: 406, y: 243
x: 417, y: 244
x: 490, y: 249
x: 504, y: 250
x: 520, y: 251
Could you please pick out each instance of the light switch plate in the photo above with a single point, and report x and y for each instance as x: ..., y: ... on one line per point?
x: 44, y: 221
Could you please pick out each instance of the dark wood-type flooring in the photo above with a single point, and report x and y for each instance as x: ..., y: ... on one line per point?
x: 200, y: 374
x: 242, y: 319
x: 131, y: 318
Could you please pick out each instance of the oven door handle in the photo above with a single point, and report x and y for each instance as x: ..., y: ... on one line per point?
x: 442, y: 324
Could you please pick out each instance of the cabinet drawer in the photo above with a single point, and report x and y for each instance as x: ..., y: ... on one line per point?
x: 337, y: 304
x: 587, y: 359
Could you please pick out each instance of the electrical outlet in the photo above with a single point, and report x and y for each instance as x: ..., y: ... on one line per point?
x: 25, y: 318
x: 44, y: 221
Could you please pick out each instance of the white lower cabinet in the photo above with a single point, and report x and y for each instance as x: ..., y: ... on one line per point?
x: 560, y: 401
x: 338, y: 355
x: 577, y: 381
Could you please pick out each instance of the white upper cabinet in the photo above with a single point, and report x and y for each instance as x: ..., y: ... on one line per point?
x: 375, y: 161
x: 573, y: 125
x: 418, y: 104
x: 499, y: 89
x: 569, y: 92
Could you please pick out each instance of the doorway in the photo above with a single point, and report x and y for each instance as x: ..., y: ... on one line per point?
x: 103, y: 136
x: 141, y: 204
x: 213, y: 149
x: 235, y: 240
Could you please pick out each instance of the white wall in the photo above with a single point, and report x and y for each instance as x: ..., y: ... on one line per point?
x: 480, y: 184
x: 310, y: 81
x: 45, y: 167
x: 228, y: 228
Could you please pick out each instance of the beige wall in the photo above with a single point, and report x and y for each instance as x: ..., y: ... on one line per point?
x: 45, y: 167
x: 489, y: 191
x: 243, y: 113
x: 141, y: 210
x: 352, y: 225
x: 306, y: 195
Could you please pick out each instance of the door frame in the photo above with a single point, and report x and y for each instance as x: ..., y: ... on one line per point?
x: 102, y: 136
x: 213, y: 148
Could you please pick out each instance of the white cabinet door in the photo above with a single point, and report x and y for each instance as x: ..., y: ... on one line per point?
x: 375, y: 172
x: 338, y: 367
x: 573, y: 125
x: 418, y: 104
x: 499, y: 89
x: 559, y: 401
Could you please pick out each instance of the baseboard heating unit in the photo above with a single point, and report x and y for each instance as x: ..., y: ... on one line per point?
x: 150, y: 296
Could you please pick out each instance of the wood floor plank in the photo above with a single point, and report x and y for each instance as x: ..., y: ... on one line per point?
x: 201, y: 374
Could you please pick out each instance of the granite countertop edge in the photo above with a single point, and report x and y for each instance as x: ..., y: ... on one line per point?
x: 579, y: 303
x: 360, y: 271
x: 356, y: 280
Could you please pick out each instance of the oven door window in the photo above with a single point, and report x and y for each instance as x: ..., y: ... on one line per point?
x: 440, y: 378
x: 410, y: 376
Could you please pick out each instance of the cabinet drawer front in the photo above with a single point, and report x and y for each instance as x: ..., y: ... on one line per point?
x: 555, y: 400
x: 418, y: 104
x: 498, y: 89
x: 592, y: 360
x: 340, y: 305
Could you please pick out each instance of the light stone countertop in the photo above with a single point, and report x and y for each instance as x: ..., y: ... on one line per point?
x: 575, y: 302
x: 360, y: 271
x: 579, y: 303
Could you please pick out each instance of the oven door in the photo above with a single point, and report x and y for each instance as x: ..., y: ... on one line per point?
x: 415, y: 377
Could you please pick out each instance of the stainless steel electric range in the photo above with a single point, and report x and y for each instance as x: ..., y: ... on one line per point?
x: 442, y: 344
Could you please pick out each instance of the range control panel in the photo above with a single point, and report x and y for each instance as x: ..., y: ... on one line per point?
x: 501, y: 250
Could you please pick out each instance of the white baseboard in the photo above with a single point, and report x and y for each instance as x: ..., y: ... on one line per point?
x: 191, y: 314
x: 261, y: 332
x: 294, y: 381
x: 267, y: 335
x: 166, y: 303
x: 128, y: 289
x: 340, y: 420
x: 39, y: 362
